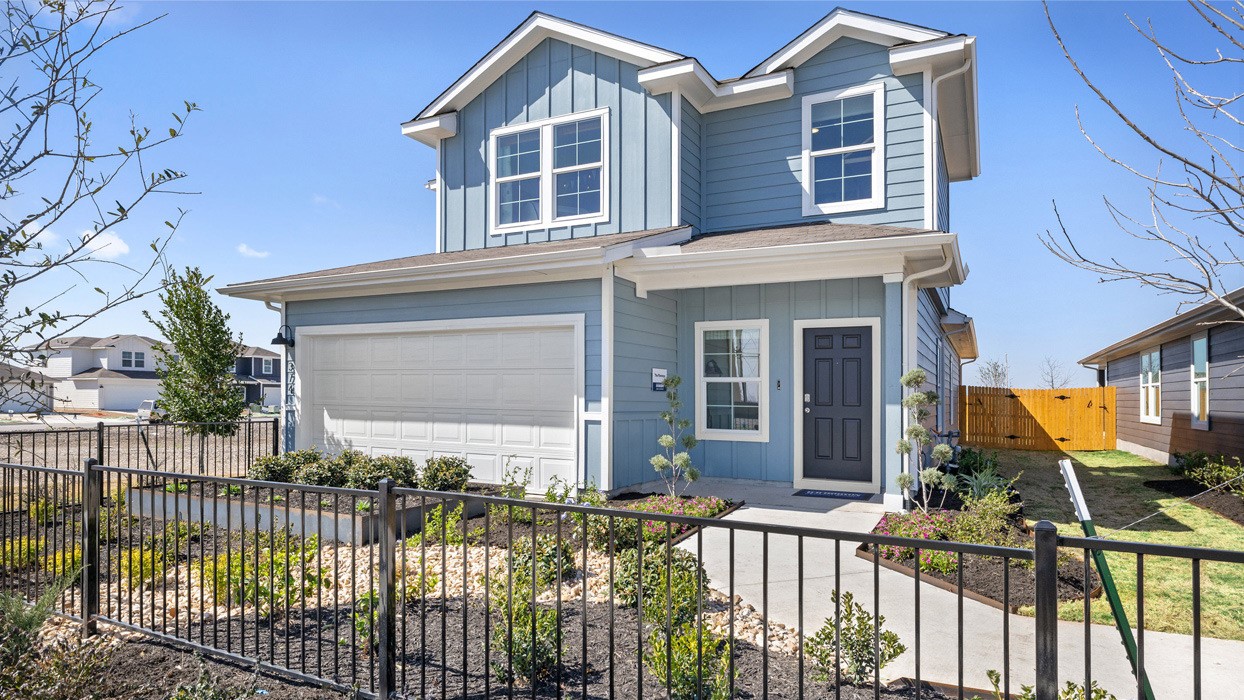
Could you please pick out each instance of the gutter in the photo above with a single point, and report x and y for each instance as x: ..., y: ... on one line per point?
x: 936, y: 129
x: 911, y: 324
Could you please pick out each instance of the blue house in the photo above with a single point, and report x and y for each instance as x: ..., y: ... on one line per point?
x: 609, y: 213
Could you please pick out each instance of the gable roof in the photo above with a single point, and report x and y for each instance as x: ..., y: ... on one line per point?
x: 101, y: 373
x: 254, y: 351
x: 114, y: 339
x: 840, y: 23
x: 526, y: 36
x: 1178, y: 326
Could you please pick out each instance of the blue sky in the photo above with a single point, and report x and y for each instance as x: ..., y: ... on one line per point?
x: 297, y: 153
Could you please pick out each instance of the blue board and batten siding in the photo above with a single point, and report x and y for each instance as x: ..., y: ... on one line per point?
x: 753, y: 168
x: 636, y: 425
x: 554, y: 79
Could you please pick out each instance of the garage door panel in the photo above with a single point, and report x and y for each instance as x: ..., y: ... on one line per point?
x: 481, y: 395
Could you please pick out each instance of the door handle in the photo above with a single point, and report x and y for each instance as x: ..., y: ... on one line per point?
x: 806, y: 409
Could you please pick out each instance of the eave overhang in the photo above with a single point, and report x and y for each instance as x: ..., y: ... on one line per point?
x: 707, y: 94
x: 1192, y: 321
x: 670, y: 267
x: 956, y: 99
x: 960, y: 330
x: 523, y: 268
x: 430, y: 130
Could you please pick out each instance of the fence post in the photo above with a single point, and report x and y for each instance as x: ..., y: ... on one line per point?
x: 92, y: 488
x: 276, y: 437
x: 1046, y: 555
x: 99, y: 443
x: 386, y: 539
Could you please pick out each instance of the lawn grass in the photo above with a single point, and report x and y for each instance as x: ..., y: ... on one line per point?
x: 1113, y: 485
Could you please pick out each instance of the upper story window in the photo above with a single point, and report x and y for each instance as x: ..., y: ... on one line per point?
x: 844, y: 150
x: 133, y: 359
x: 732, y: 361
x: 1151, y: 386
x: 1200, y: 381
x: 267, y: 365
x: 550, y: 172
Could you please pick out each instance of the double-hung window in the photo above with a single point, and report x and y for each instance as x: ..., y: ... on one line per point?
x: 732, y: 360
x: 1151, y: 386
x: 133, y: 359
x: 844, y: 150
x: 550, y: 172
x: 267, y: 365
x: 1200, y: 381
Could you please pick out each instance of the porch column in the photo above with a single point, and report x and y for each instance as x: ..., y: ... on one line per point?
x: 891, y: 391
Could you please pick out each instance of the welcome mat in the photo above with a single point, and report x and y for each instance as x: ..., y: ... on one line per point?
x: 845, y: 495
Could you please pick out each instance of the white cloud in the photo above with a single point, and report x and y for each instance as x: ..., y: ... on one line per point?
x: 43, y: 239
x: 105, y: 245
x: 249, y: 252
x: 320, y: 200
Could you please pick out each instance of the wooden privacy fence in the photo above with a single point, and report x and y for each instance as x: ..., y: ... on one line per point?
x: 1037, y: 419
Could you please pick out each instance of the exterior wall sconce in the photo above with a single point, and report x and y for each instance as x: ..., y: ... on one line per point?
x: 283, y: 339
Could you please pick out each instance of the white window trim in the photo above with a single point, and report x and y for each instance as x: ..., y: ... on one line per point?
x: 140, y: 359
x: 266, y: 365
x: 701, y: 399
x: 877, y: 200
x: 1152, y: 420
x: 547, y: 204
x: 1197, y: 423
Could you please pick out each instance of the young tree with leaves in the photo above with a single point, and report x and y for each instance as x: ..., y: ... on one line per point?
x: 60, y: 172
x: 195, y: 365
x: 673, y: 463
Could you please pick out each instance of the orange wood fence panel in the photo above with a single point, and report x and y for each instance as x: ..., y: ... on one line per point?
x: 1037, y: 419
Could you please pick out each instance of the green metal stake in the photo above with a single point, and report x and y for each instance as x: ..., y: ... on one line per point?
x: 1107, y: 581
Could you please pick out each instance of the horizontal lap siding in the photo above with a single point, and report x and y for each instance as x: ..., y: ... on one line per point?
x: 556, y: 79
x: 645, y: 337
x: 690, y: 153
x: 943, y: 192
x: 576, y: 297
x: 752, y: 165
x: 1175, y: 433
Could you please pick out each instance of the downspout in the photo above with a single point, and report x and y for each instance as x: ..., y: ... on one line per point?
x: 280, y: 309
x: 967, y: 64
x: 911, y: 330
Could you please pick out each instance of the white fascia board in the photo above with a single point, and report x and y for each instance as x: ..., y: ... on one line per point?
x: 706, y: 94
x: 957, y: 120
x: 431, y: 130
x: 842, y: 23
x: 527, y: 36
x: 942, y: 55
x: 662, y: 268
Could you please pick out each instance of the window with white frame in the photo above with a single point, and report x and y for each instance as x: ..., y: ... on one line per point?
x: 1151, y: 386
x: 133, y: 359
x: 267, y: 365
x: 550, y: 172
x: 1200, y: 380
x: 732, y: 401
x: 844, y: 150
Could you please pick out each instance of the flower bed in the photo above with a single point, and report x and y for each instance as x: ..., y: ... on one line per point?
x: 690, y: 506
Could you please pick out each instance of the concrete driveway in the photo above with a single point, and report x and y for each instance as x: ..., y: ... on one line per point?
x: 1168, y: 657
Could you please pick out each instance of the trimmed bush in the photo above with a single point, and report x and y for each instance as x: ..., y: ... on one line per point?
x: 854, y: 655
x: 366, y: 472
x: 685, y: 579
x: 277, y: 468
x: 546, y: 560
x: 695, y: 671
x: 445, y: 474
x: 322, y: 472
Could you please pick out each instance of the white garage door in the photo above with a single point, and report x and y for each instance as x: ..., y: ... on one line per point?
x: 485, y: 395
x: 118, y: 395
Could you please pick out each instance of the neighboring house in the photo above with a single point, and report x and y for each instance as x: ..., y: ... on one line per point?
x: 1179, y: 384
x: 23, y: 390
x: 608, y: 212
x: 258, y: 370
x: 116, y: 373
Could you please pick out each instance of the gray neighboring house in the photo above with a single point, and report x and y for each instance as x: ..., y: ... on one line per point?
x: 1180, y: 383
x: 23, y: 390
x: 609, y: 213
x: 258, y: 370
x: 116, y: 373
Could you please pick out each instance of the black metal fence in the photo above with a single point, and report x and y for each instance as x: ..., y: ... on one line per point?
x: 409, y: 593
x: 214, y: 449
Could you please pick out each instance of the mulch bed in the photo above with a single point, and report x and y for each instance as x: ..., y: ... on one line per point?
x: 1226, y: 504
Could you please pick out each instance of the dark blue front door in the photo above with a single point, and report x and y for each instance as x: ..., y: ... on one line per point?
x: 837, y: 403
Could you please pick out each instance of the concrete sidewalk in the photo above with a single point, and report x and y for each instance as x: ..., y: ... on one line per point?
x: 1168, y: 657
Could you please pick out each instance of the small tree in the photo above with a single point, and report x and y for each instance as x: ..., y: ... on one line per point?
x: 672, y: 464
x: 995, y: 373
x: 195, y: 364
x: 918, y: 437
x: 1053, y: 374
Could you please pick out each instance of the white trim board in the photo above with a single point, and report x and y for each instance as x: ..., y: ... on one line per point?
x: 701, y: 400
x: 877, y: 197
x: 873, y: 486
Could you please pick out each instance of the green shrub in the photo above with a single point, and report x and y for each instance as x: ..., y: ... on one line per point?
x: 209, y: 687
x: 322, y: 472
x: 445, y: 473
x: 418, y: 584
x: 685, y: 579
x: 514, y: 484
x: 531, y: 657
x: 20, y: 552
x: 434, y: 530
x: 1186, y: 461
x: 366, y: 618
x: 64, y: 561
x: 856, y: 656
x: 366, y: 473
x: 933, y: 525
x: 1222, y: 471
x: 278, y: 468
x: 986, y: 520
x: 979, y: 483
x: 1070, y: 691
x: 142, y: 565
x: 41, y: 511
x: 546, y: 560
x: 695, y: 671
x: 973, y: 460
x: 113, y: 521
x: 64, y: 669
x: 280, y: 579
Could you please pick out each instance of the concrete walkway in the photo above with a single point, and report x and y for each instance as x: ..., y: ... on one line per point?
x: 1168, y: 657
